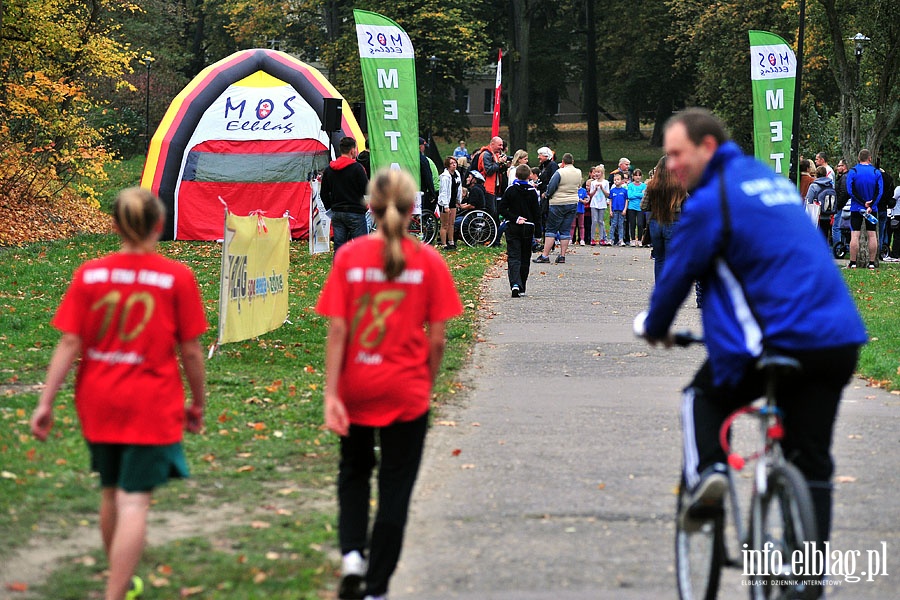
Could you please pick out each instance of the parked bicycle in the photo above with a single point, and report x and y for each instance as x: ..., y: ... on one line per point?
x: 780, y: 516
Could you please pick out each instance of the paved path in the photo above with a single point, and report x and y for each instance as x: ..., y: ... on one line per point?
x: 553, y: 477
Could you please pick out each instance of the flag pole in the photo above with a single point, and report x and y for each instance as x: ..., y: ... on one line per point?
x: 495, y: 121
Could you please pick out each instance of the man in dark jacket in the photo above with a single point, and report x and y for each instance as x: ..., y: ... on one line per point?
x: 548, y: 167
x: 344, y: 185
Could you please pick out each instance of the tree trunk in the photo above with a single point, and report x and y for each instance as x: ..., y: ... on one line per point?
x: 632, y: 121
x: 518, y: 74
x: 663, y: 111
x: 594, y: 151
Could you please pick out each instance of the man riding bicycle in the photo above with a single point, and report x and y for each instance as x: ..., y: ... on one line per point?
x: 768, y: 283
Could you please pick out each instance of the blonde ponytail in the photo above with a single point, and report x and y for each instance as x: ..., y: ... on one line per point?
x: 391, y: 196
x: 136, y: 212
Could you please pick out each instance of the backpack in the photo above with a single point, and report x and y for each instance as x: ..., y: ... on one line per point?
x: 477, y: 157
x: 826, y: 199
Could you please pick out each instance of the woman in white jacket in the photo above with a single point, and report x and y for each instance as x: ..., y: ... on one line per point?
x: 449, y: 197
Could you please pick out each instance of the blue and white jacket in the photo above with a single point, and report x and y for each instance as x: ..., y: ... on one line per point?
x: 768, y: 279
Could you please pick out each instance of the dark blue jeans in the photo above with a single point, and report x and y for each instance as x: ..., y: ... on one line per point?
x: 660, y: 237
x: 346, y: 226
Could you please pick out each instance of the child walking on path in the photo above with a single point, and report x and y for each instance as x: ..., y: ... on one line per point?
x: 125, y: 314
x: 387, y: 299
x: 521, y: 208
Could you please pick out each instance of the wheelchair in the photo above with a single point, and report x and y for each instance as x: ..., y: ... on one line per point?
x: 476, y: 227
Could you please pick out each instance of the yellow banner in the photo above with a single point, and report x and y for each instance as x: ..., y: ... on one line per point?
x: 253, y: 297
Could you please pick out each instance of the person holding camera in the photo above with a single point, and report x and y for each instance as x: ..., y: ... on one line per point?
x: 491, y: 162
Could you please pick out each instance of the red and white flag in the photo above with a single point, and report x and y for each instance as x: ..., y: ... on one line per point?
x: 495, y: 122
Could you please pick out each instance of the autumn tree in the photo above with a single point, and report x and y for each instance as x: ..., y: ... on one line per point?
x: 53, y: 54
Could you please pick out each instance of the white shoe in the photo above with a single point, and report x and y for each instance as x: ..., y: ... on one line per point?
x: 890, y: 259
x: 375, y: 598
x: 353, y: 573
x: 581, y: 243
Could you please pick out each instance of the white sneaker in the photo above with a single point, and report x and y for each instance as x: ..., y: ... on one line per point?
x: 581, y: 243
x: 890, y: 259
x: 353, y: 573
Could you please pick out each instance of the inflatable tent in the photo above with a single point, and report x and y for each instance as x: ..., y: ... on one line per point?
x: 247, y: 129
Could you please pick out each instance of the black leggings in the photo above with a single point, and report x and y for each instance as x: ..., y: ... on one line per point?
x: 401, y: 452
x: 634, y: 226
x: 809, y: 405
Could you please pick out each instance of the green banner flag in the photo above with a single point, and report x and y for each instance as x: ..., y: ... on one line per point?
x: 387, y: 61
x: 773, y: 68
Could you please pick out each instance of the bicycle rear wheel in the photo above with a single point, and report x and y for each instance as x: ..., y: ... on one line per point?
x: 784, y: 518
x: 699, y: 554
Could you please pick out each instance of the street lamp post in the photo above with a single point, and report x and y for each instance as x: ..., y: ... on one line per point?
x: 433, y: 61
x: 861, y: 42
x: 147, y: 60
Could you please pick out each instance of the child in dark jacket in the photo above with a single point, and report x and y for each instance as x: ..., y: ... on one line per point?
x: 520, y: 206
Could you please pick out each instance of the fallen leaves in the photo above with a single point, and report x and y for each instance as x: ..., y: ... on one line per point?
x: 17, y: 586
x: 23, y: 222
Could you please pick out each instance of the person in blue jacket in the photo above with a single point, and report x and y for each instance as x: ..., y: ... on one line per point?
x: 756, y: 295
x: 865, y: 186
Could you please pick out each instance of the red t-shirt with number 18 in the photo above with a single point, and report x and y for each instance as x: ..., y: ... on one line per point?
x: 131, y: 311
x: 385, y: 377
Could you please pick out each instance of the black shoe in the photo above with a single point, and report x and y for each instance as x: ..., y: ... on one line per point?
x: 871, y: 265
x: 560, y: 260
x: 705, y: 499
x: 541, y: 259
x: 515, y: 291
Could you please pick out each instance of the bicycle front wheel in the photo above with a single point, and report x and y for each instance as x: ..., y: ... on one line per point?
x: 783, y: 519
x: 699, y: 553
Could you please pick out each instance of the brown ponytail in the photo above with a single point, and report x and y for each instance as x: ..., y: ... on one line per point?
x: 136, y: 212
x: 391, y: 196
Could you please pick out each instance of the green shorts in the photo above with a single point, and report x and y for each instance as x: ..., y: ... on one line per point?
x: 135, y: 468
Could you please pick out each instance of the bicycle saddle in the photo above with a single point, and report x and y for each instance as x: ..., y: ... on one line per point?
x: 779, y: 362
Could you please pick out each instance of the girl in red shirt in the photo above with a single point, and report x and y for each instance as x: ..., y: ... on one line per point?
x: 126, y: 314
x: 387, y: 297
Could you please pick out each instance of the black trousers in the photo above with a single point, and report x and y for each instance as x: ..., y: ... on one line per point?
x: 518, y: 254
x: 401, y: 453
x: 809, y: 404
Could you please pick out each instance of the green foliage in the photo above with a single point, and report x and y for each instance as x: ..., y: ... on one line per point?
x: 712, y: 39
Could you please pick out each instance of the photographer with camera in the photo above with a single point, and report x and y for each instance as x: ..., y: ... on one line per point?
x: 491, y: 162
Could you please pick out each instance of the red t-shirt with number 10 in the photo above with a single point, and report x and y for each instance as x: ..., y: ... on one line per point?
x: 131, y: 311
x: 385, y: 377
